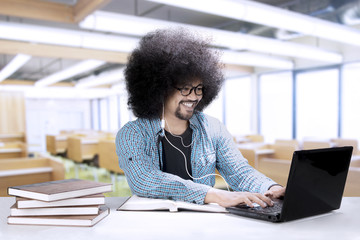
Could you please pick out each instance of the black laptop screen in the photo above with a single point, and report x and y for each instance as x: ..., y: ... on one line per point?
x: 316, y: 181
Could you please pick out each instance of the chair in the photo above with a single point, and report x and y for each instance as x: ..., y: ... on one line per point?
x: 283, y: 151
x: 276, y: 169
x: 341, y: 142
x: 108, y: 158
x: 56, y: 144
x: 254, y: 151
x: 255, y: 138
x: 352, y: 186
x: 250, y: 155
x: 292, y: 142
x: 355, y: 161
x: 314, y: 144
x: 81, y: 149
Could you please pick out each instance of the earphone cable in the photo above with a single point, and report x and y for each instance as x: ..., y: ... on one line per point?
x: 182, y: 142
x: 187, y: 171
x: 192, y: 142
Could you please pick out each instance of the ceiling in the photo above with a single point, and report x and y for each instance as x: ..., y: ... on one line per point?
x: 66, y: 14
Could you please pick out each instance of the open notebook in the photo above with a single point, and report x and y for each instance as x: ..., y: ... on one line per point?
x: 135, y: 203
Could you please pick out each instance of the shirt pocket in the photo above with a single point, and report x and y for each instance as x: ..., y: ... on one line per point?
x: 207, y: 159
x: 206, y: 167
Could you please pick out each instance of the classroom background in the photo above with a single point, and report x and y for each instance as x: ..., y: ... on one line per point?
x: 292, y: 81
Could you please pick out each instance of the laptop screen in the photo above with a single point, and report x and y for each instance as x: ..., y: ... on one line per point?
x: 316, y: 181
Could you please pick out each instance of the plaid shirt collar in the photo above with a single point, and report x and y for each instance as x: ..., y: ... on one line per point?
x: 194, y: 124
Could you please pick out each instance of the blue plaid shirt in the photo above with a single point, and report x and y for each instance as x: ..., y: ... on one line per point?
x: 139, y: 149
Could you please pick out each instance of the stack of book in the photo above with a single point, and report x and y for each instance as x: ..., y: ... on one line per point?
x: 70, y: 202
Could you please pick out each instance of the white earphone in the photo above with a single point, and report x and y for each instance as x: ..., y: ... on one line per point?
x: 163, y: 123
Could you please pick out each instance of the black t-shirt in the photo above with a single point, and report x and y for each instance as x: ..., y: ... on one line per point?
x: 173, y: 160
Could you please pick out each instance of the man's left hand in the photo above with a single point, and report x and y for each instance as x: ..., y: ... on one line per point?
x: 275, y: 192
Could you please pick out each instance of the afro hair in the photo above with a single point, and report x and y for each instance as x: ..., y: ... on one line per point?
x: 169, y: 58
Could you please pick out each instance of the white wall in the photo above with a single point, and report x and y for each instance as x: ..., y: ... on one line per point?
x: 45, y: 116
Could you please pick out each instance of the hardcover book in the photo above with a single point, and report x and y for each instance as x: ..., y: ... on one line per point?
x: 76, y: 220
x: 79, y: 210
x: 98, y: 199
x: 58, y: 190
x: 135, y: 203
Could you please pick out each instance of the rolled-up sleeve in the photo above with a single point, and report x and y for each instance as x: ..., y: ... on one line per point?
x: 233, y: 166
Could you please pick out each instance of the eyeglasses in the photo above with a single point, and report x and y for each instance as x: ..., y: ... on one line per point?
x: 187, y: 90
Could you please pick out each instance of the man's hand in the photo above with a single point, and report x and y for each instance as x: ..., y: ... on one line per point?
x: 230, y: 199
x: 275, y: 191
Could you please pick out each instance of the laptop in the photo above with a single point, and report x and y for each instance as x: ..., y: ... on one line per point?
x: 315, y: 186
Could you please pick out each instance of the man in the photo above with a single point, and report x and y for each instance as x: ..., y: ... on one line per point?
x: 172, y: 150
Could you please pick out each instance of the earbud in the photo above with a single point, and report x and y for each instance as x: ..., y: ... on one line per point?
x: 163, y: 120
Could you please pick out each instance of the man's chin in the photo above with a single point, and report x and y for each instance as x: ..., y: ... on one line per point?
x: 185, y: 116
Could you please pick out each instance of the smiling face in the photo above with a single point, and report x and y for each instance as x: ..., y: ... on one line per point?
x: 183, y: 107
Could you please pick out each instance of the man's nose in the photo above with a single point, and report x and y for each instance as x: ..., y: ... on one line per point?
x: 192, y: 95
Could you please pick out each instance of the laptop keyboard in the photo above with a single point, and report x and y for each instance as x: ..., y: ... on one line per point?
x: 276, y: 208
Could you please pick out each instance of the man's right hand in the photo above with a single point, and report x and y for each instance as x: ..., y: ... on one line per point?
x: 230, y: 199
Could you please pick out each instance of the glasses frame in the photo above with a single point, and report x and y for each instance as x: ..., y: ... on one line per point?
x: 191, y: 89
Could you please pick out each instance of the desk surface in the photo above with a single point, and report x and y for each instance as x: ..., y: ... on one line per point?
x: 10, y: 150
x: 340, y: 224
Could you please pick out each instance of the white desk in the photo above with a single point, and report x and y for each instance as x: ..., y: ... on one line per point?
x: 342, y: 224
x: 10, y: 150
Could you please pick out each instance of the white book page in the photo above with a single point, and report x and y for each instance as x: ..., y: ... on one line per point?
x: 136, y: 203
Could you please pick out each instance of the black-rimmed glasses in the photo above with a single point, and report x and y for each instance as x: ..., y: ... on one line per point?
x: 187, y: 90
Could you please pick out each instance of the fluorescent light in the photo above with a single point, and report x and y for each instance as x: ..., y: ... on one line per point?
x: 291, y: 49
x: 22, y: 32
x: 60, y: 92
x: 139, y: 26
x: 74, y: 70
x: 63, y: 37
x: 253, y: 59
x: 259, y: 13
x: 121, y: 23
x: 102, y: 79
x: 17, y: 62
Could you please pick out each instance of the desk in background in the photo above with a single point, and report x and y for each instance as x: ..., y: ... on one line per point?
x: 340, y: 224
x: 12, y: 137
x: 20, y: 171
x: 12, y: 150
x: 254, y: 151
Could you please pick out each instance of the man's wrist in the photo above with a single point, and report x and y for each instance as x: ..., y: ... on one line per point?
x: 212, y: 196
x: 273, y: 185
